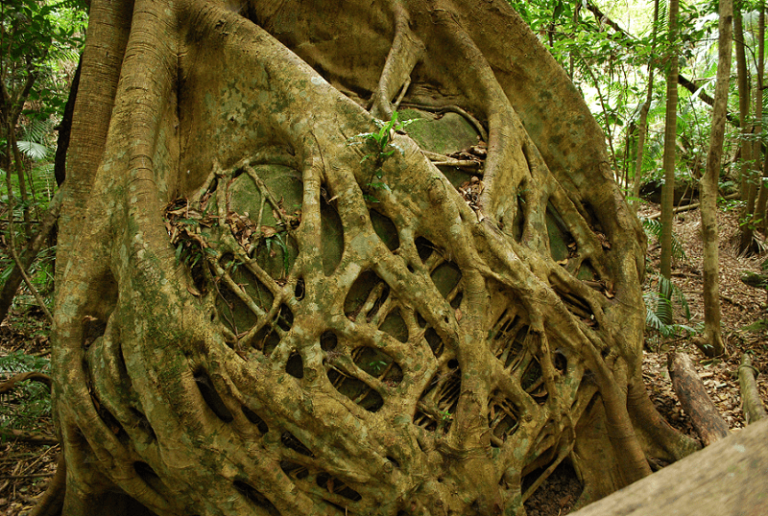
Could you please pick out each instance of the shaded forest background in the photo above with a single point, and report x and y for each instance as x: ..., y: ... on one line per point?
x: 618, y: 55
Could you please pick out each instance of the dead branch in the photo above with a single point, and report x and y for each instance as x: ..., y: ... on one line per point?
x: 25, y: 477
x: 692, y: 206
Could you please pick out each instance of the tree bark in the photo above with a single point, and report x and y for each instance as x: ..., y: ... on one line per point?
x: 670, y: 143
x: 713, y: 339
x: 695, y: 400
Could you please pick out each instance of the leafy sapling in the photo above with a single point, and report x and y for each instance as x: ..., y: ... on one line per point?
x: 380, y: 143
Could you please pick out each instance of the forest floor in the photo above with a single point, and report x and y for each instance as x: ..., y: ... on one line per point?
x: 25, y: 467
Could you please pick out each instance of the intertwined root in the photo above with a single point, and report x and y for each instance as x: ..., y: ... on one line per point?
x: 332, y: 323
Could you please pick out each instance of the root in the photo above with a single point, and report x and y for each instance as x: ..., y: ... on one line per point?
x: 52, y: 500
x: 406, y: 51
x: 13, y: 382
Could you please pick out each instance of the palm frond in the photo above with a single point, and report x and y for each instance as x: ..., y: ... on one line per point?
x: 33, y: 150
x: 653, y: 229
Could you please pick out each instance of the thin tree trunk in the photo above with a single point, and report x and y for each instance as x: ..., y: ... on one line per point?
x: 744, y: 100
x: 643, y: 124
x: 746, y: 244
x: 714, y: 344
x: 670, y: 134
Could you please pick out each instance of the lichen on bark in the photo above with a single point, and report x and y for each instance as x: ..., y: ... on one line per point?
x: 250, y: 321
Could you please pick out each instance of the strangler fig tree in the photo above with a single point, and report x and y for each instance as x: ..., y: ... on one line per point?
x: 334, y: 258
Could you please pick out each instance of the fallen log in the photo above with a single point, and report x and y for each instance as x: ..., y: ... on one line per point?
x: 695, y: 400
x: 692, y: 206
x: 725, y: 479
x: 750, y: 397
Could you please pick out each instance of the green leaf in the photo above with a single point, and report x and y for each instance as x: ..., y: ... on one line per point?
x: 558, y: 11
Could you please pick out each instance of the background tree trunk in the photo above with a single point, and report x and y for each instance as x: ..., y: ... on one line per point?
x: 670, y: 143
x: 750, y: 216
x: 745, y: 145
x: 643, y: 123
x: 713, y: 344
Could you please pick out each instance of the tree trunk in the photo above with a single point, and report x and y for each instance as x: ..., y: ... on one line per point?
x: 643, y: 123
x: 745, y: 145
x: 749, y: 217
x: 271, y: 302
x: 713, y: 339
x: 670, y: 143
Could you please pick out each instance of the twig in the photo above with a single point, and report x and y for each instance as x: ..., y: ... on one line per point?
x: 21, y: 477
x: 440, y: 159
